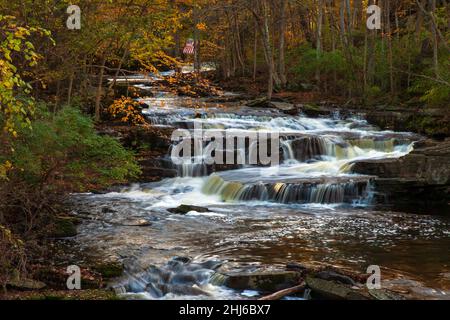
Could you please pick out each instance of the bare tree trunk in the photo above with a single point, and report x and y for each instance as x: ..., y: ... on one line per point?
x: 119, y: 67
x: 390, y: 54
x: 419, y: 20
x: 268, y: 49
x: 197, y: 63
x: 99, y: 91
x: 262, y: 19
x: 319, y: 37
x: 255, y: 52
x: 434, y: 32
x: 281, y: 46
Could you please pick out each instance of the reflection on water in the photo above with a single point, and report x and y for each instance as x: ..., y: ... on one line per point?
x: 253, y: 235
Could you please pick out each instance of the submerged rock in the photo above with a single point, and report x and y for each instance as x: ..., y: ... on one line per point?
x: 185, y: 209
x: 262, y: 281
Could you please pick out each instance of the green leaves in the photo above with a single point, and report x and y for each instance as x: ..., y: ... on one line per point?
x: 64, y: 151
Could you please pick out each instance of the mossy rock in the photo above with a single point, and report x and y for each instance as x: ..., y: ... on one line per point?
x: 64, y: 227
x: 109, y: 270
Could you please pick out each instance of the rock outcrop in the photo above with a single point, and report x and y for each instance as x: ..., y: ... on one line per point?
x: 418, y: 182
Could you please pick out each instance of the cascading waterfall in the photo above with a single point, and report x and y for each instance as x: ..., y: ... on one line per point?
x: 309, y: 148
x: 280, y: 192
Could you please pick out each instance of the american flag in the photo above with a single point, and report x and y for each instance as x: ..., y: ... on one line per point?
x: 189, y: 48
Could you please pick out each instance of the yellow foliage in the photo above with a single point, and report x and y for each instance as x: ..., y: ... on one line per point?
x: 127, y: 110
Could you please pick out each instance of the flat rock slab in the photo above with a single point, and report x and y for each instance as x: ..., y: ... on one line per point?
x: 25, y: 284
x: 332, y: 290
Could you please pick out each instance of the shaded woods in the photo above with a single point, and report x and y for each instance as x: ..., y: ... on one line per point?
x: 54, y: 84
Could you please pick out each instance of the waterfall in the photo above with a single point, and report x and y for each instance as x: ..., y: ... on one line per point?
x: 287, y: 193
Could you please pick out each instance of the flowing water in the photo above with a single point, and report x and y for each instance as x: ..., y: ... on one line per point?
x: 310, y: 208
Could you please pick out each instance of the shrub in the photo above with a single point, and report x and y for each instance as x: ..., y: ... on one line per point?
x: 60, y: 154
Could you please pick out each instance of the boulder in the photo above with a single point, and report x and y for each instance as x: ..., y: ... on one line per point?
x: 327, y: 289
x: 270, y: 281
x: 64, y: 227
x: 185, y: 209
x: 285, y: 107
x: 25, y: 284
x: 315, y: 111
x: 258, y: 103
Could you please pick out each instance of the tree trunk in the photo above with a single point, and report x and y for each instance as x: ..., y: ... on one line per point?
x: 69, y: 92
x: 390, y: 53
x: 281, y: 46
x: 319, y: 37
x: 255, y: 52
x: 99, y: 91
x: 434, y: 32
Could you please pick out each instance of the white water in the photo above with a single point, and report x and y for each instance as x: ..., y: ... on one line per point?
x: 261, y: 230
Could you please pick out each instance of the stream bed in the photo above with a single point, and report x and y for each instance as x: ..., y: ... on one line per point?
x: 309, y: 209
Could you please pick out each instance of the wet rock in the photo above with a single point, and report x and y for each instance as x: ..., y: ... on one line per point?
x: 271, y: 281
x: 25, y: 284
x: 285, y: 107
x: 326, y: 289
x: 139, y: 223
x: 382, y: 294
x: 297, y: 267
x: 258, y: 103
x: 108, y: 210
x: 210, y: 265
x: 185, y: 209
x: 314, y: 111
x: 418, y: 182
x: 334, y: 276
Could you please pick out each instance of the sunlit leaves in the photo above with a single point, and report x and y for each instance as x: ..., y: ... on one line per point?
x: 126, y: 110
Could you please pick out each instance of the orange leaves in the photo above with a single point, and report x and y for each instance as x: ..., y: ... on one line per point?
x: 201, y: 26
x: 126, y: 110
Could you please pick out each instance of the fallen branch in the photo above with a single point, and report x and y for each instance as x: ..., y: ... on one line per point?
x: 284, y: 293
